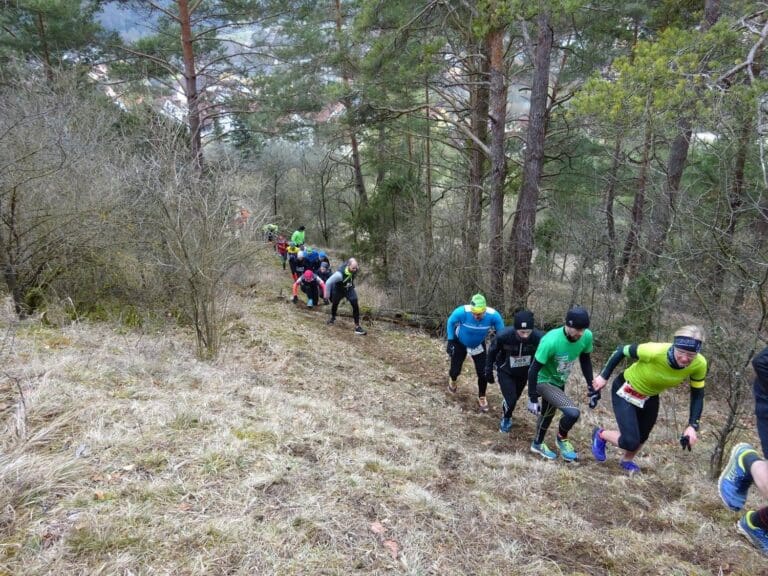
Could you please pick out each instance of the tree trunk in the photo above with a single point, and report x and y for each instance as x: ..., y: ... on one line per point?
x: 735, y: 201
x: 478, y: 102
x: 666, y: 206
x: 610, y: 222
x: 524, y: 223
x: 357, y: 170
x: 44, y: 50
x: 428, y: 180
x: 498, y: 110
x: 190, y: 84
x: 628, y: 264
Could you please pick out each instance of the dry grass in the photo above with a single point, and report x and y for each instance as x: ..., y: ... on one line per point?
x: 307, y: 450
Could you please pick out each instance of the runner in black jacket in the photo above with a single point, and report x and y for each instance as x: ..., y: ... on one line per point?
x: 512, y: 351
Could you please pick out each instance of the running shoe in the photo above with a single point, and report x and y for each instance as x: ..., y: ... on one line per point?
x: 482, y: 403
x: 331, y: 320
x: 598, y: 445
x: 452, y: 385
x: 757, y: 536
x: 566, y: 450
x: 505, y: 425
x: 359, y: 331
x: 543, y: 450
x: 310, y: 303
x: 735, y: 480
x: 629, y: 467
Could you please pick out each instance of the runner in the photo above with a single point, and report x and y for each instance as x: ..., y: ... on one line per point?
x: 281, y: 247
x: 298, y: 237
x: 341, y: 285
x: 311, y: 285
x: 635, y: 392
x: 557, y: 352
x: 512, y: 352
x: 466, y: 329
x: 745, y: 467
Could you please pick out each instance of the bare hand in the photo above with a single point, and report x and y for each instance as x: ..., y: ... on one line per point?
x: 598, y: 383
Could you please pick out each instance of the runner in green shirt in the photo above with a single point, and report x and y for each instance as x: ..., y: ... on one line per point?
x: 558, y: 351
x: 635, y: 392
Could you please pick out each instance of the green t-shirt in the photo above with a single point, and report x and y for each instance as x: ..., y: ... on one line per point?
x: 652, y: 374
x: 557, y: 355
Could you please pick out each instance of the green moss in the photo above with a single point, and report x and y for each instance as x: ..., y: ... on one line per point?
x: 262, y: 438
x: 87, y: 541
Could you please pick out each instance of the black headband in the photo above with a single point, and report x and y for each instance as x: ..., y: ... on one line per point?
x: 687, y: 343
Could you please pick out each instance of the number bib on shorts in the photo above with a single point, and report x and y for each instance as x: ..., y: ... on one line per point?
x: 631, y: 395
x: 475, y: 351
x: 519, y: 361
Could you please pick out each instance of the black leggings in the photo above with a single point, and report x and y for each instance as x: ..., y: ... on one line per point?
x: 552, y: 400
x: 635, y: 424
x: 311, y: 290
x: 457, y: 361
x: 511, y: 388
x: 337, y: 294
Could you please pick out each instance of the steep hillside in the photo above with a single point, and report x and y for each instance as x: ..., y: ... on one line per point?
x: 308, y: 450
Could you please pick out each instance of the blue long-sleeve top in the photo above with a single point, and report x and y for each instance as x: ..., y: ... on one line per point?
x: 465, y: 328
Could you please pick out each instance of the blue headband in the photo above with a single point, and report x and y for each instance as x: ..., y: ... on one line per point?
x: 687, y: 343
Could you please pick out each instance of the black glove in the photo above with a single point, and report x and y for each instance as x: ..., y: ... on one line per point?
x: 295, y: 299
x: 685, y: 442
x: 489, y: 377
x: 449, y: 348
x: 594, y: 397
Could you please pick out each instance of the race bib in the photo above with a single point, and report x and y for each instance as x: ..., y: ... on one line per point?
x: 519, y: 361
x: 631, y: 395
x: 475, y: 351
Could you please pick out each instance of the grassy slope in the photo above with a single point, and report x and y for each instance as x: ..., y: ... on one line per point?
x: 308, y: 450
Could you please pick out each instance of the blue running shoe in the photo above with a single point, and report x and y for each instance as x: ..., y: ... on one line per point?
x: 310, y: 303
x: 543, y: 450
x: 757, y: 536
x: 505, y: 425
x: 629, y: 467
x: 735, y: 480
x: 566, y: 450
x: 598, y: 445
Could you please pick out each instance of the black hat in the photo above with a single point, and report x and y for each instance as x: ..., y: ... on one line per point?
x: 523, y: 320
x: 577, y: 317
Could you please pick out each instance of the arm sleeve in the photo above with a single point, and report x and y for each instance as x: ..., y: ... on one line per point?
x: 622, y: 351
x: 322, y: 285
x: 493, y: 351
x: 697, y: 407
x: 335, y: 277
x: 450, y: 326
x: 295, y: 289
x: 585, y: 361
x: 533, y: 377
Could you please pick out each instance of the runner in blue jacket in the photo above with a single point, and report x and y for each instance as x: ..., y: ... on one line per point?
x: 466, y: 330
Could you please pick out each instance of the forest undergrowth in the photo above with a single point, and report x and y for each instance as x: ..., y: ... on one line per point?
x: 305, y: 449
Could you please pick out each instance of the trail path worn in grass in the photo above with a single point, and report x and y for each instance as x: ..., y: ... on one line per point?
x: 306, y: 449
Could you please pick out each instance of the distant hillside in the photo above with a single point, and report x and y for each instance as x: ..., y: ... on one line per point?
x: 122, y: 20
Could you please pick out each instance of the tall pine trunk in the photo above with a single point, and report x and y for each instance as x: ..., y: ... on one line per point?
x: 190, y: 84
x: 525, y: 215
x: 498, y: 110
x: 478, y: 101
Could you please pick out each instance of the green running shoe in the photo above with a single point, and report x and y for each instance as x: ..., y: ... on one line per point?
x: 543, y: 450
